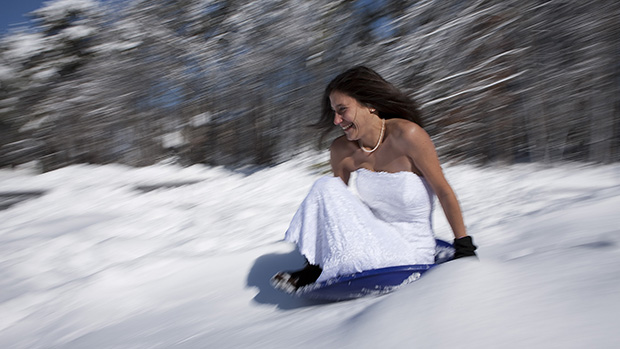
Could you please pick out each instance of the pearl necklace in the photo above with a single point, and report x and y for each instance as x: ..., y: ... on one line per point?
x: 378, y: 141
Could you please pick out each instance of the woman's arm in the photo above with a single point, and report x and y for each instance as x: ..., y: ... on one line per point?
x: 421, y: 150
x: 339, y: 158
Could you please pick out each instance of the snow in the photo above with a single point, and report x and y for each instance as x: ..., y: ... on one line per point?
x: 23, y: 46
x: 479, y: 66
x: 473, y: 89
x: 58, y: 9
x: 163, y: 256
x: 45, y: 75
x: 78, y: 32
x: 6, y: 73
x: 36, y: 124
x: 173, y: 139
x: 201, y: 119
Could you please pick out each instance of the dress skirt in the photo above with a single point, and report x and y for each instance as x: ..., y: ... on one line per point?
x: 382, y: 220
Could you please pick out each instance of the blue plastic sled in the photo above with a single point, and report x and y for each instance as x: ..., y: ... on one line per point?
x: 375, y: 281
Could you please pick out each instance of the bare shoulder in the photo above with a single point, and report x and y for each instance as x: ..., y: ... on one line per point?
x: 341, y: 153
x: 409, y: 134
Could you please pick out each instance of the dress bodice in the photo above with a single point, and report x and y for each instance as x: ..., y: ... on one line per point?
x: 395, y: 197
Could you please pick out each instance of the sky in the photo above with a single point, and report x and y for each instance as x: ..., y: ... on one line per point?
x: 13, y: 13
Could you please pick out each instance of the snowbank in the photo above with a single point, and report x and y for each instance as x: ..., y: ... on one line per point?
x: 160, y: 257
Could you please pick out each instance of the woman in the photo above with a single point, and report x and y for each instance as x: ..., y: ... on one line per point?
x: 383, y: 218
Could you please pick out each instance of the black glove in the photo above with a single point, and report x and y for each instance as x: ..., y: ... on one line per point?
x: 464, y: 247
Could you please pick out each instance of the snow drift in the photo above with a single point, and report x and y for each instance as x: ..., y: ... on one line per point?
x: 163, y: 256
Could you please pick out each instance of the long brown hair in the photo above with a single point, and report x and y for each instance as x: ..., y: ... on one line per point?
x: 371, y: 90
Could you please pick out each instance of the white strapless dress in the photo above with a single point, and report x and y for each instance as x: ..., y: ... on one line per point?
x: 382, y: 219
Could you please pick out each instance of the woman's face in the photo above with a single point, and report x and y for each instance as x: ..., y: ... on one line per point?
x: 349, y: 114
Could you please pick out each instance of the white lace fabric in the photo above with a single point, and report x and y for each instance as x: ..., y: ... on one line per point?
x: 388, y: 223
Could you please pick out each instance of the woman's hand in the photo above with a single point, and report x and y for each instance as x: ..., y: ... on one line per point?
x: 464, y: 247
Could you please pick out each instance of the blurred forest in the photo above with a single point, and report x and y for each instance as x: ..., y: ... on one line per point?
x: 234, y: 82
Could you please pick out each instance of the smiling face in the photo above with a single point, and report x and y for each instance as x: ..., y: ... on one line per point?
x: 349, y: 114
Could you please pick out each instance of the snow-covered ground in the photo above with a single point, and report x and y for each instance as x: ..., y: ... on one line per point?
x: 118, y: 257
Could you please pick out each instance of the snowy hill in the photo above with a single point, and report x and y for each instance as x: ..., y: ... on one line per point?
x: 163, y: 256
